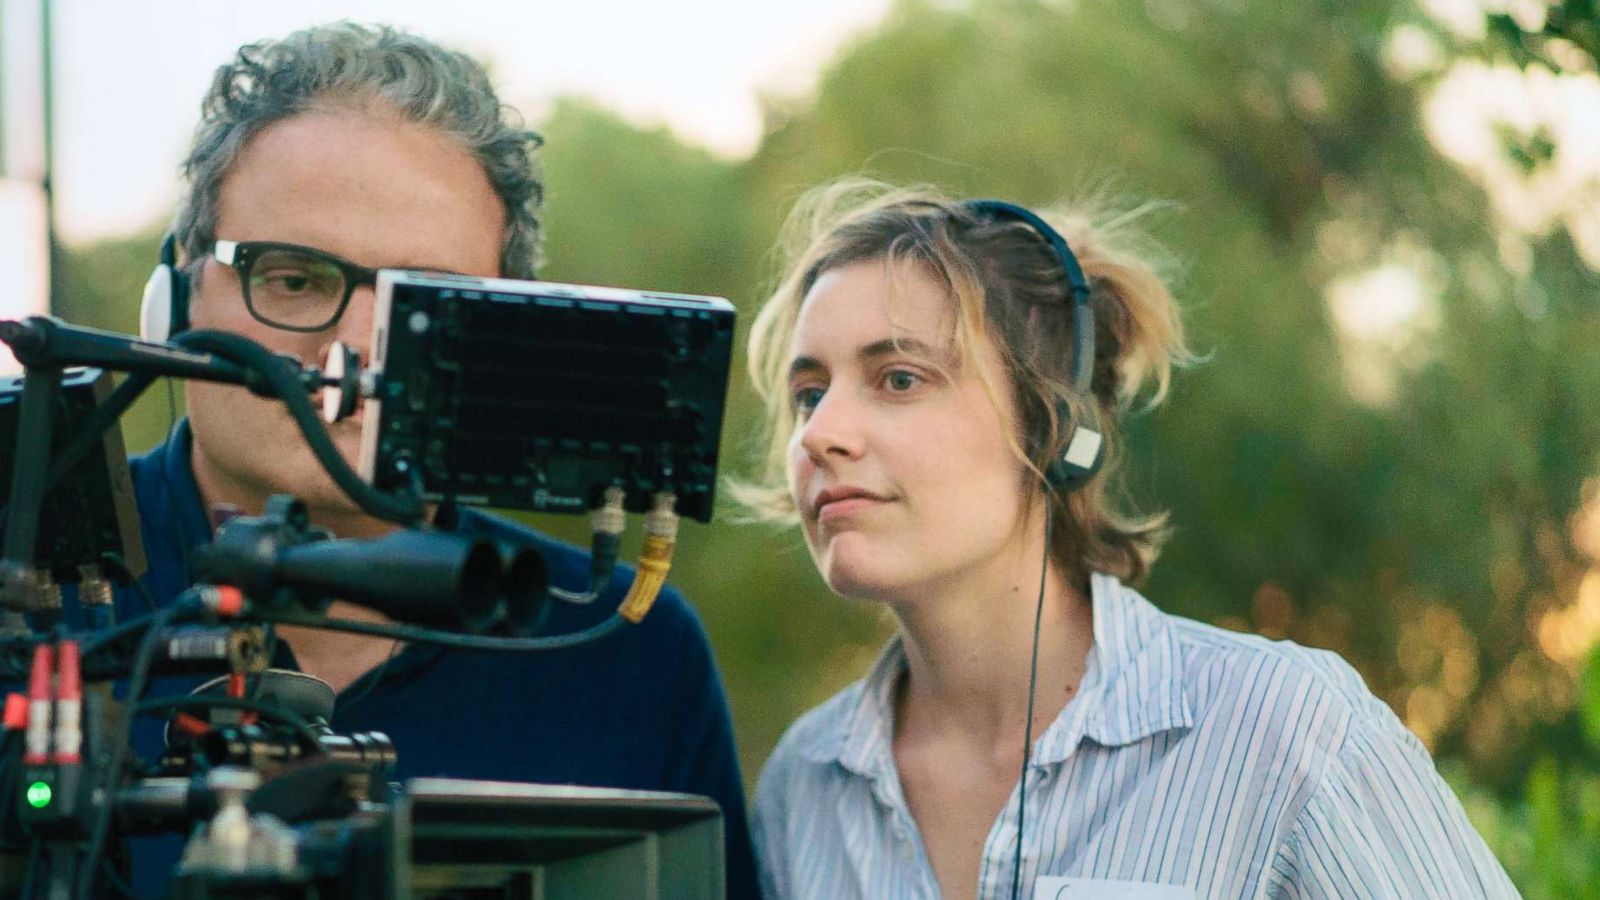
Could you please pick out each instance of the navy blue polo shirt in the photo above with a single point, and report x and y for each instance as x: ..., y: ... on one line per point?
x: 642, y: 708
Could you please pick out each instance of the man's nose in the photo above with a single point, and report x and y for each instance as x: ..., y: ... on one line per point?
x: 354, y: 328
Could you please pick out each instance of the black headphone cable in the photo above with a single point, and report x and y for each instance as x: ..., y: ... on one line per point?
x: 1033, y: 683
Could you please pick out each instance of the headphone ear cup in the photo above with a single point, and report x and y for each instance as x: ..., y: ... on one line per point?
x: 164, y: 310
x: 1079, y: 461
x: 1080, y: 458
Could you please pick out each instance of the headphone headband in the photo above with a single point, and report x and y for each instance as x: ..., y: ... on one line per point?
x: 1082, y: 366
x: 1079, y: 460
x: 169, y: 249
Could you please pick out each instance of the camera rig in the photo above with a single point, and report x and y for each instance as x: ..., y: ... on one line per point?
x: 277, y: 803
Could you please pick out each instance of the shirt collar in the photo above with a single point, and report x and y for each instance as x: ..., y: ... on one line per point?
x: 185, y: 507
x: 1132, y: 689
x: 1133, y: 684
x: 863, y: 744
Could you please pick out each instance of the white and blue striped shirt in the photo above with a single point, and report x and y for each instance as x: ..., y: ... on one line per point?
x: 1225, y: 764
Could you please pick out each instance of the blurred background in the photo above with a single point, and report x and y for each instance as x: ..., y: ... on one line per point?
x: 1387, y: 214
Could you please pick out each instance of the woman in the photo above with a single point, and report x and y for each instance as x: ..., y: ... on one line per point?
x: 935, y: 394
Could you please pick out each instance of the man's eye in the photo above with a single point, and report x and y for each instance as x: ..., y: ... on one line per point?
x: 295, y: 282
x: 806, y: 399
x: 292, y: 282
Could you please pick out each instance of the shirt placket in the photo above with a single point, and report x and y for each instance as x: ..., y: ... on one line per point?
x: 1000, y: 848
x: 910, y: 858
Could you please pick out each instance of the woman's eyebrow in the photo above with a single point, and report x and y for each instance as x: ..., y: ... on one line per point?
x: 806, y: 365
x: 906, y: 346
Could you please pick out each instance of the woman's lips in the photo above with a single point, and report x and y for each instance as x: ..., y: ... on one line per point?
x: 845, y: 506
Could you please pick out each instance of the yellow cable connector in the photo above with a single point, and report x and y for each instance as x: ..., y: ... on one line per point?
x: 655, y: 559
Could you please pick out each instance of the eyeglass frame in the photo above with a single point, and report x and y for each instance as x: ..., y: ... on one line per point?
x: 240, y: 256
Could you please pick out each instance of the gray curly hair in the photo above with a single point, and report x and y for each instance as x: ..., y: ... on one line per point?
x: 345, y: 64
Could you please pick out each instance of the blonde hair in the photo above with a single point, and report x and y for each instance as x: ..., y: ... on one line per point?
x: 1009, y: 291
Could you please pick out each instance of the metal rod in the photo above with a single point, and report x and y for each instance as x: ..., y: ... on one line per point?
x: 53, y: 242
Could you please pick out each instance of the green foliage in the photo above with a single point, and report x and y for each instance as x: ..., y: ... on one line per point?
x: 1589, y: 706
x: 640, y: 208
x: 1549, y: 837
x: 1573, y: 23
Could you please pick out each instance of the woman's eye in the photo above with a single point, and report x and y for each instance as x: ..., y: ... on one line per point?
x: 806, y: 399
x: 900, y: 381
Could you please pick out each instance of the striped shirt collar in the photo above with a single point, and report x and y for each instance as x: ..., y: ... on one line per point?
x: 1132, y: 688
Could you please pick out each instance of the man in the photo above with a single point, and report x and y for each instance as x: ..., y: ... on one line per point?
x: 380, y: 149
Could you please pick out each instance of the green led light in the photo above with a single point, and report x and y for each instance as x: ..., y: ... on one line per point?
x: 38, y: 795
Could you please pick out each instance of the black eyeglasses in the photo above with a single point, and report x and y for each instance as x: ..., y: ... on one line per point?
x: 292, y: 287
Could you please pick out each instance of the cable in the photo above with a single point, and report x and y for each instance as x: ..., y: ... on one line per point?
x: 117, y: 884
x: 302, y: 728
x: 187, y: 604
x: 1033, y: 683
x: 445, y: 638
x: 15, y: 667
x: 287, y: 386
x: 149, y: 599
x: 608, y: 520
x: 369, y: 682
x: 95, y: 640
x: 655, y: 558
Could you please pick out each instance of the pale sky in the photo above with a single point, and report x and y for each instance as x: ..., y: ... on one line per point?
x: 130, y: 74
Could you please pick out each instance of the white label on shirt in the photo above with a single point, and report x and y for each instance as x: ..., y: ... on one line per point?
x: 1053, y: 887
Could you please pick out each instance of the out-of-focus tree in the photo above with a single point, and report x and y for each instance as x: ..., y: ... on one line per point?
x: 1535, y: 155
x: 640, y: 208
x: 1566, y: 26
x: 1511, y: 377
x: 1548, y: 837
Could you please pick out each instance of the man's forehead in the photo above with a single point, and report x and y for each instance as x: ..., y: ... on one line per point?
x: 375, y: 190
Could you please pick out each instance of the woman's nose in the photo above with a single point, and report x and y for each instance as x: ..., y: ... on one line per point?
x: 834, y: 428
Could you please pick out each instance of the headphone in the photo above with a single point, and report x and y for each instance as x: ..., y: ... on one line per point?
x: 1084, y: 451
x: 164, y: 311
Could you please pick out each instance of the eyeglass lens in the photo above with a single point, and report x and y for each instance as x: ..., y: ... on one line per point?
x: 295, y: 288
